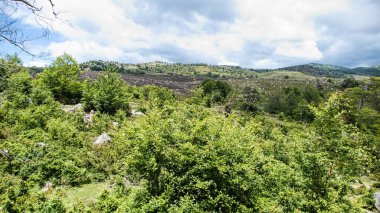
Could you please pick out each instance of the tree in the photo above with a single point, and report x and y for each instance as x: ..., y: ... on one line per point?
x: 349, y: 83
x: 214, y: 91
x: 62, y: 78
x: 374, y: 90
x: 293, y: 102
x: 9, y: 65
x: 107, y: 94
x: 251, y: 99
x: 10, y: 30
x: 338, y: 135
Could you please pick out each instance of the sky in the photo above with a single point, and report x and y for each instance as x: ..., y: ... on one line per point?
x: 248, y: 33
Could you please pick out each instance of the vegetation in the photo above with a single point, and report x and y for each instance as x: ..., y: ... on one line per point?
x: 299, y: 71
x: 62, y: 79
x: 232, y: 146
x: 333, y: 71
x: 108, y: 94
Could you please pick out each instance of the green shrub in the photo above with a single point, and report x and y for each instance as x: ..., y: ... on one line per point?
x: 157, y: 96
x: 10, y: 64
x: 107, y: 94
x: 214, y: 91
x: 52, y: 205
x: 63, y: 131
x: 62, y: 78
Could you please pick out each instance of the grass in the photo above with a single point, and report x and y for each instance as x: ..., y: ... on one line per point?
x: 361, y: 77
x: 289, y: 74
x: 86, y: 194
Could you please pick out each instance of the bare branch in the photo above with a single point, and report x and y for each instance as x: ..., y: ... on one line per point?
x: 12, y: 32
x: 28, y: 4
x: 18, y: 45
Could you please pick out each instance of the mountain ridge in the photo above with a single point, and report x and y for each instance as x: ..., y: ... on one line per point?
x: 329, y: 70
x: 202, y: 69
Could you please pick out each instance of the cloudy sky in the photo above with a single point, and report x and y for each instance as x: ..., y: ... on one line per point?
x: 249, y: 33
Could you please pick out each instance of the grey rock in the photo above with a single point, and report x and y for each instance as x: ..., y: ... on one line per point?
x: 89, y: 117
x: 377, y: 199
x: 137, y: 113
x: 72, y: 108
x: 102, y: 140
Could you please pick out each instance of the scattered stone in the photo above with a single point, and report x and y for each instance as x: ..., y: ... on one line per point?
x: 71, y: 108
x: 48, y: 187
x: 377, y: 199
x: 89, y: 117
x: 133, y: 105
x: 356, y: 186
x: 5, y: 153
x: 115, y: 124
x: 102, y: 140
x: 41, y: 144
x: 367, y: 185
x: 136, y: 113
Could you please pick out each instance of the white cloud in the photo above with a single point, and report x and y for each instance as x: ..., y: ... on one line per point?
x: 115, y: 30
x: 37, y: 63
x: 267, y: 63
x: 304, y: 49
x: 85, y: 50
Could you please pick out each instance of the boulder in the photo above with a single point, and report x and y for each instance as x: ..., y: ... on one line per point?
x: 102, y: 140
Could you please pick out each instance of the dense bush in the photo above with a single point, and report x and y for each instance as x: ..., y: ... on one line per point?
x: 157, y: 96
x: 9, y: 65
x: 294, y: 102
x: 62, y: 78
x: 349, y: 83
x: 198, y: 159
x: 107, y: 94
x: 212, y: 92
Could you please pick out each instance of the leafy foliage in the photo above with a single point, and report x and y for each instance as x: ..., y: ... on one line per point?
x: 62, y: 78
x: 293, y: 102
x: 214, y: 92
x: 107, y: 94
x: 9, y: 65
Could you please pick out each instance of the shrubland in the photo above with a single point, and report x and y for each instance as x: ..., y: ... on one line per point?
x: 298, y: 148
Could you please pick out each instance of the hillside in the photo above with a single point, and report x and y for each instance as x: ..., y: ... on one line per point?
x: 224, y: 71
x: 325, y: 70
x: 371, y: 71
x: 160, y: 68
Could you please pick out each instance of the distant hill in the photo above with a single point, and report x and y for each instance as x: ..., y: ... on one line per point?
x: 162, y: 68
x: 224, y: 71
x: 372, y: 71
x: 325, y: 70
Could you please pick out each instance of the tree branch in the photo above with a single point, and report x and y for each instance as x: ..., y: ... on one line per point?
x: 12, y: 32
